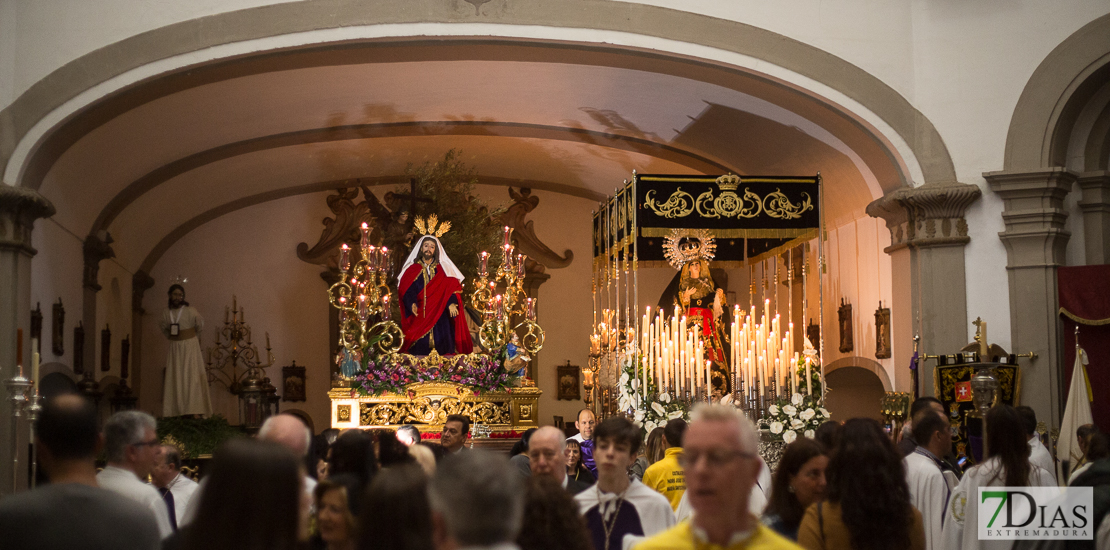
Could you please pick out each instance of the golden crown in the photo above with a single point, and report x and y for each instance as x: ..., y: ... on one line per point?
x: 678, y: 254
x: 728, y: 182
x: 430, y: 228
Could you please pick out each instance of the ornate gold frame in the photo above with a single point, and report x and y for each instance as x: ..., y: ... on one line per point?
x: 428, y: 403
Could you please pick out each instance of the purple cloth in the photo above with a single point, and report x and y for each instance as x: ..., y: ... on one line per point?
x: 587, y: 448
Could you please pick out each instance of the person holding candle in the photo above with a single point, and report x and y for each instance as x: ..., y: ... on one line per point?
x: 432, y: 311
x: 185, y: 392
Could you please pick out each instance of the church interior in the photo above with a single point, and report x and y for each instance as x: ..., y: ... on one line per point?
x: 963, y: 151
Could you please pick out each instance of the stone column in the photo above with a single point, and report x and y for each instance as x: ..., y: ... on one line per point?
x: 928, y: 234
x: 1036, y: 243
x: 19, y: 208
x: 1096, y: 216
x: 141, y: 281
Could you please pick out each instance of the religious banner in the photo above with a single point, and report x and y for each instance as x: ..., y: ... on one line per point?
x: 752, y: 217
x: 952, y: 386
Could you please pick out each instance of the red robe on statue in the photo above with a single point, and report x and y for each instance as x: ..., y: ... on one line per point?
x: 432, y: 325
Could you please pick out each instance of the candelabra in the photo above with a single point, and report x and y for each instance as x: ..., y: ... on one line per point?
x: 498, y: 309
x: 235, y: 362
x: 361, y: 293
x: 17, y: 394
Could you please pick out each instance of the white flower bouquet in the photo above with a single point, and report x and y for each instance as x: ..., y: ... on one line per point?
x: 800, y: 415
x: 646, y: 406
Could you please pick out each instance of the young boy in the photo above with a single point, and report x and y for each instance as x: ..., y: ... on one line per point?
x: 620, y: 512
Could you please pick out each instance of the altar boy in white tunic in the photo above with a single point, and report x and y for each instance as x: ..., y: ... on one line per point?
x: 1007, y: 466
x: 620, y: 512
x: 929, y: 488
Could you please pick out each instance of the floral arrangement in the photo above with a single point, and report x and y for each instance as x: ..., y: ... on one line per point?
x: 393, y: 373
x: 649, y: 408
x: 800, y: 415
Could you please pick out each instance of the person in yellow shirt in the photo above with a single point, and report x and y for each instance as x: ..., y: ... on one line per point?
x: 721, y: 465
x: 666, y: 476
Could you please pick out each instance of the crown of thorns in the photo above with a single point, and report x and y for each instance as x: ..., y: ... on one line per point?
x: 686, y: 245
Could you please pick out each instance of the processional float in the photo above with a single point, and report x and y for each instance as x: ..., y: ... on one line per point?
x: 380, y: 386
x: 656, y: 363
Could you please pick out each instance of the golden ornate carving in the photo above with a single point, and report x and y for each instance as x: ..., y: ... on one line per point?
x: 679, y: 205
x: 729, y: 205
x: 427, y: 405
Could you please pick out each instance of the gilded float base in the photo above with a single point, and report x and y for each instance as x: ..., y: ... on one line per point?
x: 427, y: 405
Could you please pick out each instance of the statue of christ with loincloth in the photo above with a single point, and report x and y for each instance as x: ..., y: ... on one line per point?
x: 432, y: 311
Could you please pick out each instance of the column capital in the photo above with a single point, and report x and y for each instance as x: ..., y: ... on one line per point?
x: 1034, y: 214
x: 926, y: 216
x: 141, y: 281
x: 1096, y: 191
x: 19, y: 208
x: 96, y: 248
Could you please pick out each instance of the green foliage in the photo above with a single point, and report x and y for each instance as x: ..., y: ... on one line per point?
x: 198, y: 436
x: 450, y: 184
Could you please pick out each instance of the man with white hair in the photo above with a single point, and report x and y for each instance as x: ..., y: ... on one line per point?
x: 133, y: 452
x: 721, y: 463
x: 477, y: 502
x: 547, y: 455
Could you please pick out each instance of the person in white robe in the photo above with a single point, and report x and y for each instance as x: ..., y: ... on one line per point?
x: 1007, y: 443
x: 929, y: 488
x: 185, y: 391
x: 1038, y: 454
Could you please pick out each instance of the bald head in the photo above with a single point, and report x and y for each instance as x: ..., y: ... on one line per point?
x: 547, y: 453
x: 287, y: 431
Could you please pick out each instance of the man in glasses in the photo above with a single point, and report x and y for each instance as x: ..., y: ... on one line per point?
x: 133, y: 451
x: 721, y: 465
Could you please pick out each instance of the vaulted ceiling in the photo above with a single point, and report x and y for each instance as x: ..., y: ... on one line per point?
x: 577, y: 119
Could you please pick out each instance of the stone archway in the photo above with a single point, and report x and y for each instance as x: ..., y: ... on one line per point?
x: 1044, y: 159
x: 855, y: 386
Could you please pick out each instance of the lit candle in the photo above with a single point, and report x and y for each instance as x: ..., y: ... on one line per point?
x: 708, y: 382
x: 363, y: 312
x: 483, y: 263
x: 364, y: 243
x: 530, y: 309
x: 508, y: 231
x: 387, y: 311
x: 344, y: 258
x: 372, y: 259
x: 34, y: 365
x: 809, y: 380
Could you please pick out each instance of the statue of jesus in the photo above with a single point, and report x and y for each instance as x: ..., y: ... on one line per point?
x: 432, y: 312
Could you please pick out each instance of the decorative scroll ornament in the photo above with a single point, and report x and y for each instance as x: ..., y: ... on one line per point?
x: 430, y: 227
x: 728, y: 204
x: 679, y: 205
x: 699, y: 244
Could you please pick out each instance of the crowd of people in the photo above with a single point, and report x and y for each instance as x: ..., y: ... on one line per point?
x: 691, y: 485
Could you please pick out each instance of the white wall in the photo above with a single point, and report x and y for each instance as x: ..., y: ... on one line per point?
x: 56, y: 272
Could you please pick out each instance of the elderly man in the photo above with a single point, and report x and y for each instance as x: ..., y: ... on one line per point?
x: 133, y: 451
x: 477, y: 502
x: 71, y: 511
x: 721, y: 463
x: 176, y: 489
x: 547, y: 454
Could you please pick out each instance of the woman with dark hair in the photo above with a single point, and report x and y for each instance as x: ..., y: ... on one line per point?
x: 799, y: 481
x: 395, y: 513
x: 551, y: 520
x: 653, y: 452
x: 576, y: 470
x: 337, y: 504
x: 253, y: 499
x: 868, y: 503
x: 353, y: 453
x: 1007, y: 465
x: 1095, y: 447
x: 828, y: 434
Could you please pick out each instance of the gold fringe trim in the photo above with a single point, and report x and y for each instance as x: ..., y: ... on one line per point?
x: 805, y: 233
x: 743, y: 180
x: 1082, y: 321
